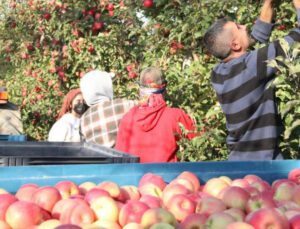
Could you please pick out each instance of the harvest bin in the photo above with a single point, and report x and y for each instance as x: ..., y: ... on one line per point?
x: 46, y: 153
x: 11, y: 178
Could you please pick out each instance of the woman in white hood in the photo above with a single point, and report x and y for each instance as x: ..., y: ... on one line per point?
x: 99, y: 124
x: 66, y: 128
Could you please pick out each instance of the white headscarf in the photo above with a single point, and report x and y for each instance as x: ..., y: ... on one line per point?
x: 96, y: 86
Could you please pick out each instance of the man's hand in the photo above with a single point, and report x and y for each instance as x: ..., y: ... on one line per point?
x: 267, y: 11
x: 297, y: 4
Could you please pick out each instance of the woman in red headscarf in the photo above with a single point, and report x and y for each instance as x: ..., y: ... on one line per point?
x: 66, y: 128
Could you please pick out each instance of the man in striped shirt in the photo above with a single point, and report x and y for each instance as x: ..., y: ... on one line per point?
x: 241, y: 82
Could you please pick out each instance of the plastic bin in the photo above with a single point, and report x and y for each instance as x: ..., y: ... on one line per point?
x: 47, y: 153
x: 11, y: 178
x: 13, y: 138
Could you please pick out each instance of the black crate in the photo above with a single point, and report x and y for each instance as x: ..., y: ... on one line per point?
x: 54, y: 153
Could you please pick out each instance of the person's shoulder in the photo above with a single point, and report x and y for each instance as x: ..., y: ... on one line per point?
x: 9, y: 106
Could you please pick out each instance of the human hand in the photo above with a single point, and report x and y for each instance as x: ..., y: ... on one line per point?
x: 296, y: 4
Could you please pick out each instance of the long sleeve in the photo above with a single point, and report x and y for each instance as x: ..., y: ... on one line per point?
x: 261, y: 31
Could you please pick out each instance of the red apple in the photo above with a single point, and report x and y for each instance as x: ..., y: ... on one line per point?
x: 210, y: 205
x: 26, y: 191
x: 242, y: 183
x: 67, y: 226
x: 185, y: 182
x: 103, y: 224
x: 5, y: 201
x: 23, y: 215
x: 111, y: 187
x: 133, y: 226
x: 67, y: 188
x: 49, y: 224
x: 86, y: 186
x: 250, y: 178
x: 151, y: 201
x: 239, y: 225
x: 4, y: 225
x: 130, y: 192
x: 172, y: 190
x: 105, y: 208
x: 46, y: 197
x: 148, y: 3
x: 150, y: 189
x: 95, y: 193
x: 262, y: 200
x: 284, y: 191
x: 235, y: 197
x: 218, y: 220
x: 294, y: 175
x: 194, y: 221
x: 236, y: 213
x: 152, y: 178
x: 192, y: 177
x: 78, y: 213
x: 132, y: 212
x: 267, y: 218
x: 157, y: 215
x: 181, y: 206
x: 214, y: 186
x: 295, y: 222
x: 296, y: 195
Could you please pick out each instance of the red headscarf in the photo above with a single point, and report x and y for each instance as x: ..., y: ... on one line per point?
x: 68, y: 101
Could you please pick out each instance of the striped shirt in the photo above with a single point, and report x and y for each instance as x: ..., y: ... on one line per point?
x: 243, y: 91
x: 100, y: 123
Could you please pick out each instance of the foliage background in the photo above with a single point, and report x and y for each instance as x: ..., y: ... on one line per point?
x: 46, y: 46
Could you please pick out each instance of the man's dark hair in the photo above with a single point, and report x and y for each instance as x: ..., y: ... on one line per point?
x: 217, y: 41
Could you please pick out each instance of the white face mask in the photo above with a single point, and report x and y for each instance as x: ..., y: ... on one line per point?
x: 149, y: 91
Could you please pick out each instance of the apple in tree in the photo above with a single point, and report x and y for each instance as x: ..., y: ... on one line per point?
x: 148, y: 3
x: 23, y: 215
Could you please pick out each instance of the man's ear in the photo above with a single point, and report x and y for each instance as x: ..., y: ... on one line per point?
x: 235, y: 45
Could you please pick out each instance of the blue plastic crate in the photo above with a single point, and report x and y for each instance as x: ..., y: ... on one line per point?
x: 11, y: 178
x: 13, y: 138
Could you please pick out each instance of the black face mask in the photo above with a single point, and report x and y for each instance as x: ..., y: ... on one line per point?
x: 80, y: 108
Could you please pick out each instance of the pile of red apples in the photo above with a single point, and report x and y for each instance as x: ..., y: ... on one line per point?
x: 183, y: 203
